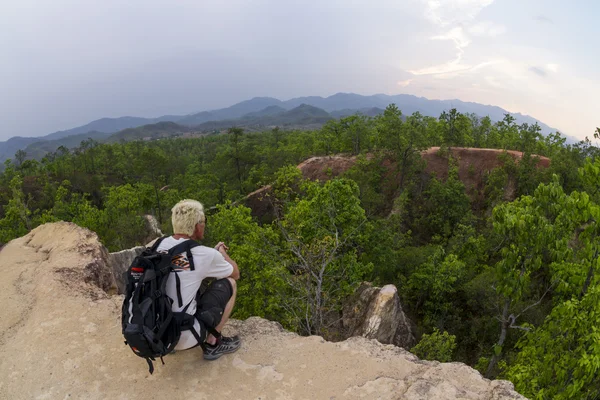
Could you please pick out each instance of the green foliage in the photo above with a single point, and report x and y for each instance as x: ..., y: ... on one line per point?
x: 495, y: 186
x: 355, y: 134
x: 287, y: 187
x: 17, y: 216
x: 456, y: 129
x: 121, y: 218
x: 590, y: 176
x: 256, y: 251
x: 402, y: 141
x: 440, y: 208
x: 368, y: 173
x: 437, y: 346
x: 322, y: 233
x: 561, y: 358
x: 69, y: 206
x: 433, y: 285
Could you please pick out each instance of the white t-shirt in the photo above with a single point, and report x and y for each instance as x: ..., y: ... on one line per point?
x: 208, y: 263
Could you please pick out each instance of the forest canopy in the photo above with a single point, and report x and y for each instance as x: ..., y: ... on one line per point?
x: 510, y: 286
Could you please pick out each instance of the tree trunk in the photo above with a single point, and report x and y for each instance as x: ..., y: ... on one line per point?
x: 158, y: 205
x: 239, y: 173
x: 590, y: 276
x: 503, y: 331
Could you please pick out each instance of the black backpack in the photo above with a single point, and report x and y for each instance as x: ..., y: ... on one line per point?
x: 150, y: 326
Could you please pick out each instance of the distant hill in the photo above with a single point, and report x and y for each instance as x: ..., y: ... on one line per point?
x: 111, y: 125
x: 236, y: 111
x: 148, y: 132
x: 38, y: 150
x: 14, y: 144
x: 301, y: 116
x: 268, y: 111
x: 255, y: 113
x: 369, y: 112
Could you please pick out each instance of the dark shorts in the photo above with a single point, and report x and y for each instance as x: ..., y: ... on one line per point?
x: 212, y: 302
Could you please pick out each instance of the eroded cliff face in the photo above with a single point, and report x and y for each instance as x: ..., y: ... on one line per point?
x: 474, y: 165
x: 60, y: 337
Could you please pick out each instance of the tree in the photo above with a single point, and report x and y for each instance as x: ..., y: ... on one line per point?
x: 432, y: 286
x: 456, y: 128
x: 561, y: 358
x: 17, y: 216
x: 20, y: 156
x: 123, y: 224
x: 368, y: 173
x: 321, y: 233
x: 236, y: 154
x: 508, y: 133
x: 330, y: 137
x: 438, y: 210
x: 262, y: 289
x: 153, y: 164
x: 87, y: 148
x: 531, y: 239
x: 355, y: 134
x: 481, y: 130
x: 437, y: 346
x: 403, y: 139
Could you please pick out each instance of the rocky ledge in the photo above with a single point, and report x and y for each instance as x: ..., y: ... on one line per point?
x: 60, y: 337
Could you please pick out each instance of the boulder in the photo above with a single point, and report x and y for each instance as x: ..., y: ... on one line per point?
x: 120, y: 261
x: 376, y: 313
x: 60, y: 337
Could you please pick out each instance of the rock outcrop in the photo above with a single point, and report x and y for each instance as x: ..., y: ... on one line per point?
x: 120, y: 261
x: 152, y: 228
x: 60, y: 337
x: 474, y: 165
x: 325, y: 168
x: 376, y: 313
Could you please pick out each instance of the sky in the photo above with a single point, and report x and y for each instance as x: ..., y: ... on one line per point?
x: 68, y: 62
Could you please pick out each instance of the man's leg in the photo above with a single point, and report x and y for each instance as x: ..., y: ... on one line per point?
x: 226, y: 312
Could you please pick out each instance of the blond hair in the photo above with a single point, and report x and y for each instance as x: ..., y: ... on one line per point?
x: 185, y: 215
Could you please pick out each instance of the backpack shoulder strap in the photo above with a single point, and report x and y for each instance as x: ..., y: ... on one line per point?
x: 186, y: 247
x: 157, y: 243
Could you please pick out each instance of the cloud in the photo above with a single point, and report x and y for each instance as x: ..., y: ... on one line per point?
x: 552, y: 67
x: 457, y: 35
x: 447, y: 68
x: 538, y: 71
x: 450, y: 12
x: 458, y: 14
x: 404, y: 83
x: 487, y: 28
x: 452, y: 67
x: 492, y: 81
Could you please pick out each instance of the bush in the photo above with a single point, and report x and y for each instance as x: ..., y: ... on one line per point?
x: 437, y: 346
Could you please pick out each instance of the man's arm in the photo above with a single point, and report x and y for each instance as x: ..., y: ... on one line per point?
x: 221, y: 248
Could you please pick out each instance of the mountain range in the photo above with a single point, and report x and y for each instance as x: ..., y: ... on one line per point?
x: 257, y: 113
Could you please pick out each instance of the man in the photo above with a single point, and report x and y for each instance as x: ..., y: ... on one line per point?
x: 214, y: 306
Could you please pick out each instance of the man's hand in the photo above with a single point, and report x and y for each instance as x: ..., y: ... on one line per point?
x: 221, y: 248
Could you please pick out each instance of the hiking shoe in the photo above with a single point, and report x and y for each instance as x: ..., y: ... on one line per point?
x: 224, y: 346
